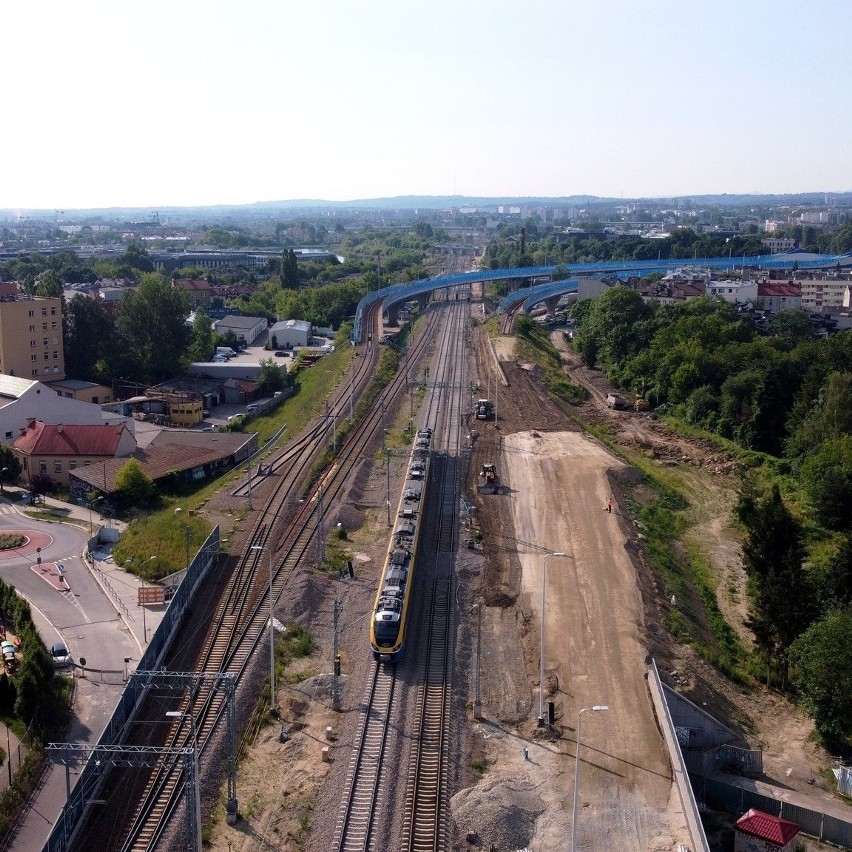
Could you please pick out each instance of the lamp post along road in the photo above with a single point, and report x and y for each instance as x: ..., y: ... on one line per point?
x: 272, y: 705
x: 597, y: 708
x: 541, y: 671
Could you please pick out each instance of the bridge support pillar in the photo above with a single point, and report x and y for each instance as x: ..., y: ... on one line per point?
x: 393, y: 315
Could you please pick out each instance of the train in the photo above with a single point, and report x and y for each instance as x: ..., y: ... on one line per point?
x: 390, y: 611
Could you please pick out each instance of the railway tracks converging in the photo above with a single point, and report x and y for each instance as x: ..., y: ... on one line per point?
x: 425, y: 817
x: 287, y: 536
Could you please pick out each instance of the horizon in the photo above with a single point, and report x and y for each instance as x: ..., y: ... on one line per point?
x: 200, y: 105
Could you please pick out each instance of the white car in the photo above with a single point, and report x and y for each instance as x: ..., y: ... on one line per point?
x: 59, y: 652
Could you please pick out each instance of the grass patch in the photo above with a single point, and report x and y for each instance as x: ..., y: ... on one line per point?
x: 479, y: 766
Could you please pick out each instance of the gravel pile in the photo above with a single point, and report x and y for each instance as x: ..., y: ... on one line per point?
x: 499, y: 814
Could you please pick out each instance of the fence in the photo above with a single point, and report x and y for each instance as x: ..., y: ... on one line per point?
x: 736, y: 800
x: 91, y: 776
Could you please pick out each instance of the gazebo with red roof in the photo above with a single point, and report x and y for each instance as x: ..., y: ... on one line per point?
x: 761, y: 832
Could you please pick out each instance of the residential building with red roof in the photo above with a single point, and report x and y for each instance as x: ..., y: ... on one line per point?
x: 198, y: 290
x: 779, y: 295
x: 57, y: 450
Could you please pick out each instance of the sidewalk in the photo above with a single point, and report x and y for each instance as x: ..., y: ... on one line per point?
x: 114, y: 643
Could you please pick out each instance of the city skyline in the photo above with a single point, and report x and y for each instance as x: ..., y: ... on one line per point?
x: 196, y: 104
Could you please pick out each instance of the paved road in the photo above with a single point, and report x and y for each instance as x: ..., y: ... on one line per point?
x: 96, y: 616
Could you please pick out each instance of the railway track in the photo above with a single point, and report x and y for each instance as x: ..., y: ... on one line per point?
x: 425, y: 825
x: 354, y: 831
x: 285, y: 533
x: 426, y: 801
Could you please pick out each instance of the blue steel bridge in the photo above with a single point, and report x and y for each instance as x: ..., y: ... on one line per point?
x: 398, y: 293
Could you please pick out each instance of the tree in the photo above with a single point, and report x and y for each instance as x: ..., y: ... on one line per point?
x: 782, y: 603
x: 10, y: 464
x: 133, y: 485
x: 88, y: 337
x: 827, y: 476
x: 272, y: 377
x: 50, y: 284
x: 822, y: 671
x: 153, y: 335
x: 793, y: 326
x: 289, y: 270
x: 202, y: 337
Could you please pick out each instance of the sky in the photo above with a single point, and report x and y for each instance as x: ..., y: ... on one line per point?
x: 197, y: 102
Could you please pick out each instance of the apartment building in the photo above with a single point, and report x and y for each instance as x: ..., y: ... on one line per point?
x: 31, y: 338
x: 823, y: 294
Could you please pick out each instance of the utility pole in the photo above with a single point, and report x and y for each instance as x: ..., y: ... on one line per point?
x: 320, y: 533
x: 387, y: 473
x: 477, y: 700
x: 351, y: 395
x: 335, y: 683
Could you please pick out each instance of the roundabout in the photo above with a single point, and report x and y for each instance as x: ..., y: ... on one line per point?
x: 34, y: 543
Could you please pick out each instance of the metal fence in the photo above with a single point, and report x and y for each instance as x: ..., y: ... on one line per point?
x: 844, y: 781
x: 90, y: 777
x: 735, y: 800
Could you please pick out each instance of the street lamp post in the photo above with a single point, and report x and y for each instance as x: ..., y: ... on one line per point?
x: 597, y: 708
x: 260, y: 548
x: 541, y: 671
x: 178, y: 714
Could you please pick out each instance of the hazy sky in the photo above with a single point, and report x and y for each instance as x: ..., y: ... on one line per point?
x: 187, y: 102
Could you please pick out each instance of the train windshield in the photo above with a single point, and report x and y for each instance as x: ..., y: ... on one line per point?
x: 386, y: 633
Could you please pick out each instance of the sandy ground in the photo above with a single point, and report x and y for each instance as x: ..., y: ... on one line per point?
x: 593, y: 656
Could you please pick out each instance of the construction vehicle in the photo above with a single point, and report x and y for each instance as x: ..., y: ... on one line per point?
x: 484, y: 409
x: 641, y: 404
x: 489, y: 480
x: 615, y: 401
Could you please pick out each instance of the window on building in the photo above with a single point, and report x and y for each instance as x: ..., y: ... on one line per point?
x: 44, y: 312
x: 32, y: 344
x: 35, y: 372
x: 57, y: 466
x: 32, y: 329
x: 53, y: 312
x: 72, y: 464
x: 42, y: 467
x: 47, y: 356
x: 55, y: 341
x: 32, y: 314
x: 95, y: 400
x: 55, y: 356
x: 47, y: 369
x: 53, y: 326
x: 44, y: 342
x: 33, y: 357
x: 44, y: 326
x: 8, y: 436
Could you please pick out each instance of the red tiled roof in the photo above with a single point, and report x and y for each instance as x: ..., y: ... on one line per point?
x: 192, y: 283
x: 776, y: 288
x: 767, y: 827
x: 43, y: 439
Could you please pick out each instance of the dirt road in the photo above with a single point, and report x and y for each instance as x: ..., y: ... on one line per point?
x: 593, y: 648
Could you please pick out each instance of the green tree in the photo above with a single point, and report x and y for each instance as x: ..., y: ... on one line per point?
x: 289, y: 270
x: 822, y: 672
x: 133, y: 485
x: 272, y: 377
x: 88, y: 336
x: 10, y: 464
x: 202, y: 337
x: 793, y: 326
x: 50, y: 284
x: 829, y: 413
x: 827, y: 477
x: 782, y: 603
x: 153, y: 335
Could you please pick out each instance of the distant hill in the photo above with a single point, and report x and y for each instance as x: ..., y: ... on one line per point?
x: 436, y: 202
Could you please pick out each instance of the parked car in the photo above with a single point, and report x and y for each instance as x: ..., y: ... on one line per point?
x: 280, y: 353
x: 59, y: 652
